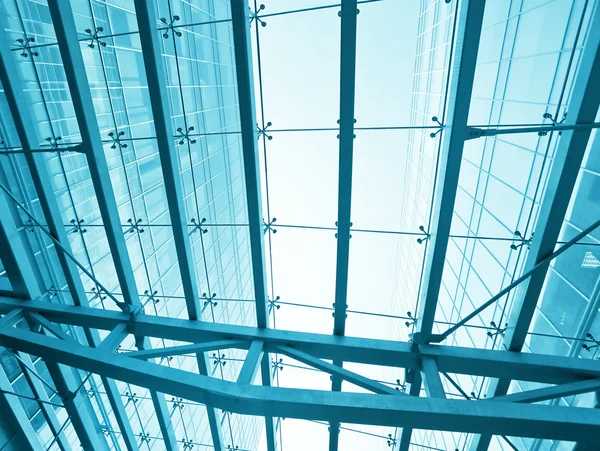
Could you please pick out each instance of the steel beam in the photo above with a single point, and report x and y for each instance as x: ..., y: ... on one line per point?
x: 38, y: 390
x: 84, y: 421
x: 462, y: 74
x: 37, y: 164
x: 502, y: 418
x: 169, y: 158
x: 161, y: 111
x: 270, y: 426
x: 546, y: 393
x: 349, y: 12
x: 41, y: 181
x: 245, y: 83
x: 449, y: 359
x: 11, y: 318
x: 242, y: 48
x: 68, y: 44
x: 431, y: 379
x: 468, y: 32
x: 251, y: 363
x: 12, y: 411
x: 348, y: 15
x: 583, y: 107
x: 189, y: 349
x: 114, y: 339
x: 49, y: 326
x: 337, y: 371
x: 13, y: 255
x: 414, y: 390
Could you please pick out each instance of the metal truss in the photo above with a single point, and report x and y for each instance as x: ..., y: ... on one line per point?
x: 513, y: 415
x: 499, y: 414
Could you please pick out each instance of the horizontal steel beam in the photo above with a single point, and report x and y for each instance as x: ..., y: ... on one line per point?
x: 337, y: 371
x: 189, y: 349
x: 449, y: 359
x: 546, y: 393
x: 502, y: 418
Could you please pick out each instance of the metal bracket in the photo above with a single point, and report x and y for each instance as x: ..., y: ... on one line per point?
x: 184, y: 137
x: 436, y: 120
x: 254, y: 15
x: 269, y: 226
x: 170, y: 26
x: 25, y: 47
x: 198, y: 225
x: 263, y: 131
x: 95, y: 35
x: 117, y: 140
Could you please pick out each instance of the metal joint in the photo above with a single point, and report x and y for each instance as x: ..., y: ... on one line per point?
x: 197, y: 226
x: 184, y: 137
x: 25, y: 47
x: 254, y: 15
x: 268, y: 227
x: 437, y: 121
x: 263, y: 132
x: 170, y: 26
x: 95, y: 36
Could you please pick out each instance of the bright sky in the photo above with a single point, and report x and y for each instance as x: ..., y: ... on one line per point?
x: 300, y: 55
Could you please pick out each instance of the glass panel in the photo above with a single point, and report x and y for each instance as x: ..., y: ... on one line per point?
x: 300, y: 69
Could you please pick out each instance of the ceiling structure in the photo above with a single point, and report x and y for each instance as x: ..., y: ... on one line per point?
x: 114, y: 334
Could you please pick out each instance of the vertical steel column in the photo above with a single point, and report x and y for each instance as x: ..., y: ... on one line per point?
x: 583, y: 108
x: 169, y: 158
x: 161, y: 111
x: 348, y: 14
x: 459, y: 101
x: 13, y: 255
x: 84, y: 420
x: 41, y: 181
x: 38, y: 390
x: 466, y: 46
x: 243, y: 64
x: 12, y: 411
x: 68, y: 44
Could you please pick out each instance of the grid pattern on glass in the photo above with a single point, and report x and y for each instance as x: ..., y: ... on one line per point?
x: 212, y: 175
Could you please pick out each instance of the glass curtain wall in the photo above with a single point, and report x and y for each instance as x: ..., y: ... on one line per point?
x: 200, y: 71
x: 528, y: 57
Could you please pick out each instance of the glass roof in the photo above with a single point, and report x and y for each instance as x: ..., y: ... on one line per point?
x: 528, y: 59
